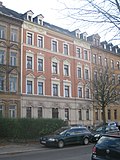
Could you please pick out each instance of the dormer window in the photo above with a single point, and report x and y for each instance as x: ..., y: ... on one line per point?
x: 116, y: 50
x: 104, y: 46
x: 28, y: 15
x: 29, y: 18
x: 110, y: 48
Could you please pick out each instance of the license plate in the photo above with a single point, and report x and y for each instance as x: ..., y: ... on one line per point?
x: 43, y: 142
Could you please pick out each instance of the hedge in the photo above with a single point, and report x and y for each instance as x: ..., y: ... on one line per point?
x: 27, y: 129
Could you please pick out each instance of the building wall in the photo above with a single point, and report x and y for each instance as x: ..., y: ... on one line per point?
x: 10, y: 105
x: 48, y: 101
x: 98, y: 51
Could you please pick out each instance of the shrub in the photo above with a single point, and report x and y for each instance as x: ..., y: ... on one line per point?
x: 27, y: 129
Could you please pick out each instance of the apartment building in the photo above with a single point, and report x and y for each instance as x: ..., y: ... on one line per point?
x: 104, y: 54
x: 45, y: 70
x: 10, y: 63
x: 56, y: 68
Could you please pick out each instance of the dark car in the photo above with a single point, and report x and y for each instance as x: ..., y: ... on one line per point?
x: 71, y: 135
x: 107, y: 148
x: 105, y: 129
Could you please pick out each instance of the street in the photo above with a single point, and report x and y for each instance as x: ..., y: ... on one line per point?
x: 79, y: 152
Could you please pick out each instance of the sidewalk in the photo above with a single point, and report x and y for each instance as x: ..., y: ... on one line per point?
x: 19, y: 148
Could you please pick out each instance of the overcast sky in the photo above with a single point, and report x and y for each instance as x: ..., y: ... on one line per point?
x: 52, y: 12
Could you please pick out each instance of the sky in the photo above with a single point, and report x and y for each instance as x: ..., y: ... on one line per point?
x: 52, y: 10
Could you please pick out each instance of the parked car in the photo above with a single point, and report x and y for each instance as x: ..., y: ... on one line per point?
x: 107, y: 148
x: 71, y: 135
x: 105, y: 129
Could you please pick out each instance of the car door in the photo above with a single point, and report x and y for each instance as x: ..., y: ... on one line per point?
x: 70, y: 137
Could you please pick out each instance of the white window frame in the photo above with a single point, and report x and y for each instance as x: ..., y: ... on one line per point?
x: 82, y: 90
x: 67, y: 48
x: 16, y: 84
x: 52, y: 45
x: 86, y: 58
x: 13, y: 59
x: 67, y: 83
x: 42, y: 41
x: 14, y: 35
x: 57, y: 82
x: 67, y: 63
x: 3, y: 56
x: 86, y: 68
x: 11, y: 111
x: 43, y: 81
x: 30, y: 54
x: 27, y: 38
x: 80, y: 52
x: 79, y: 66
x: 30, y: 79
x: 58, y: 63
x: 40, y: 57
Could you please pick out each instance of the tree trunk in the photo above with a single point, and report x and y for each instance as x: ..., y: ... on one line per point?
x: 104, y: 114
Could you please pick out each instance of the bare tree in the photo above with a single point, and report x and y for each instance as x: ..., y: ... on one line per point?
x: 105, y: 90
x: 102, y: 14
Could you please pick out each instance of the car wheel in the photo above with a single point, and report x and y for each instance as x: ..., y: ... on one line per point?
x: 85, y: 141
x: 60, y: 144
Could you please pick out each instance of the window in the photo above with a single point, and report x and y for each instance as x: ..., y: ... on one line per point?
x: 86, y: 74
x: 112, y: 64
x: 80, y: 92
x: 29, y: 87
x: 94, y: 58
x: 100, y: 60
x: 85, y: 55
x: 1, y: 83
x: 40, y: 88
x: 12, y: 111
x: 66, y: 114
x: 2, y: 56
x: 29, y: 62
x: 29, y: 18
x: 115, y: 114
x: 13, y: 58
x: 79, y: 72
x: 95, y: 75
x: 80, y: 114
x: 40, y: 112
x: 1, y: 110
x: 78, y: 53
x: 87, y: 114
x: 54, y: 68
x: 66, y: 70
x: 96, y: 114
x: 40, y: 41
x: 2, y: 32
x: 87, y: 92
x: 54, y: 46
x: 106, y: 63
x: 65, y: 49
x: 40, y: 64
x: 109, y: 114
x: 54, y: 112
x: 55, y: 89
x: 118, y: 65
x: 28, y: 112
x: 67, y: 91
x: 29, y: 38
x: 13, y: 84
x: 14, y: 34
